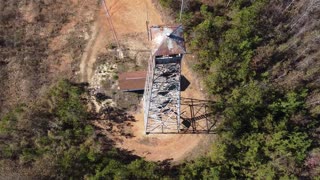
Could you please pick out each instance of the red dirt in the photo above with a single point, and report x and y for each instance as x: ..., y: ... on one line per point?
x: 129, y: 16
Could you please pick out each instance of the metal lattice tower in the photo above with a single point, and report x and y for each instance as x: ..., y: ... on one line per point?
x: 162, y: 87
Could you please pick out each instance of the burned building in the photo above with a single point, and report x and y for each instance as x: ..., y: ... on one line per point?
x: 162, y: 87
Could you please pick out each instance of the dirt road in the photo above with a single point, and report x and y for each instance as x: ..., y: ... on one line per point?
x: 128, y: 16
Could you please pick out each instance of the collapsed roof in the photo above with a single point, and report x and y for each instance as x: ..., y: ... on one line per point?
x: 167, y: 40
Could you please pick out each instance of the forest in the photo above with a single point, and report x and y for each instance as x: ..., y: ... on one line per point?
x: 250, y: 53
x: 258, y: 59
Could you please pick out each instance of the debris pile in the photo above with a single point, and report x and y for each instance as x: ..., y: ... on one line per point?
x: 165, y: 94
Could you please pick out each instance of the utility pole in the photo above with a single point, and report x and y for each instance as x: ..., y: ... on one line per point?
x: 147, y: 22
x: 119, y: 50
x: 181, y: 10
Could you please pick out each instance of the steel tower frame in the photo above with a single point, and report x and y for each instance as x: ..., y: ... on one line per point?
x: 162, y: 87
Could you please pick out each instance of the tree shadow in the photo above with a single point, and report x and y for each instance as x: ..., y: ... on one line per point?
x: 167, y: 168
x: 111, y: 119
x: 117, y: 115
x: 109, y: 145
x: 102, y: 97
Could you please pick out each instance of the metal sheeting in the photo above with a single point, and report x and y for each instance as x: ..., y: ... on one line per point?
x: 163, y: 114
x: 167, y: 40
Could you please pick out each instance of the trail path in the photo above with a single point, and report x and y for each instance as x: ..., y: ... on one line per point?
x: 128, y: 16
x: 88, y: 57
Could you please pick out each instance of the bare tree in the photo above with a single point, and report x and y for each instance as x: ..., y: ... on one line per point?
x: 312, y: 6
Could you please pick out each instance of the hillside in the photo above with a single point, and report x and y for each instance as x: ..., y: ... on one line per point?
x: 40, y: 43
x: 259, y: 60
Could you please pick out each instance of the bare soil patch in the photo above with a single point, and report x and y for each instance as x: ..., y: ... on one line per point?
x: 129, y: 16
x: 46, y: 46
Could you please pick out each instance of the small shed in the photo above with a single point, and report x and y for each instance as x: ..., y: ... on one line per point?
x: 132, y: 81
